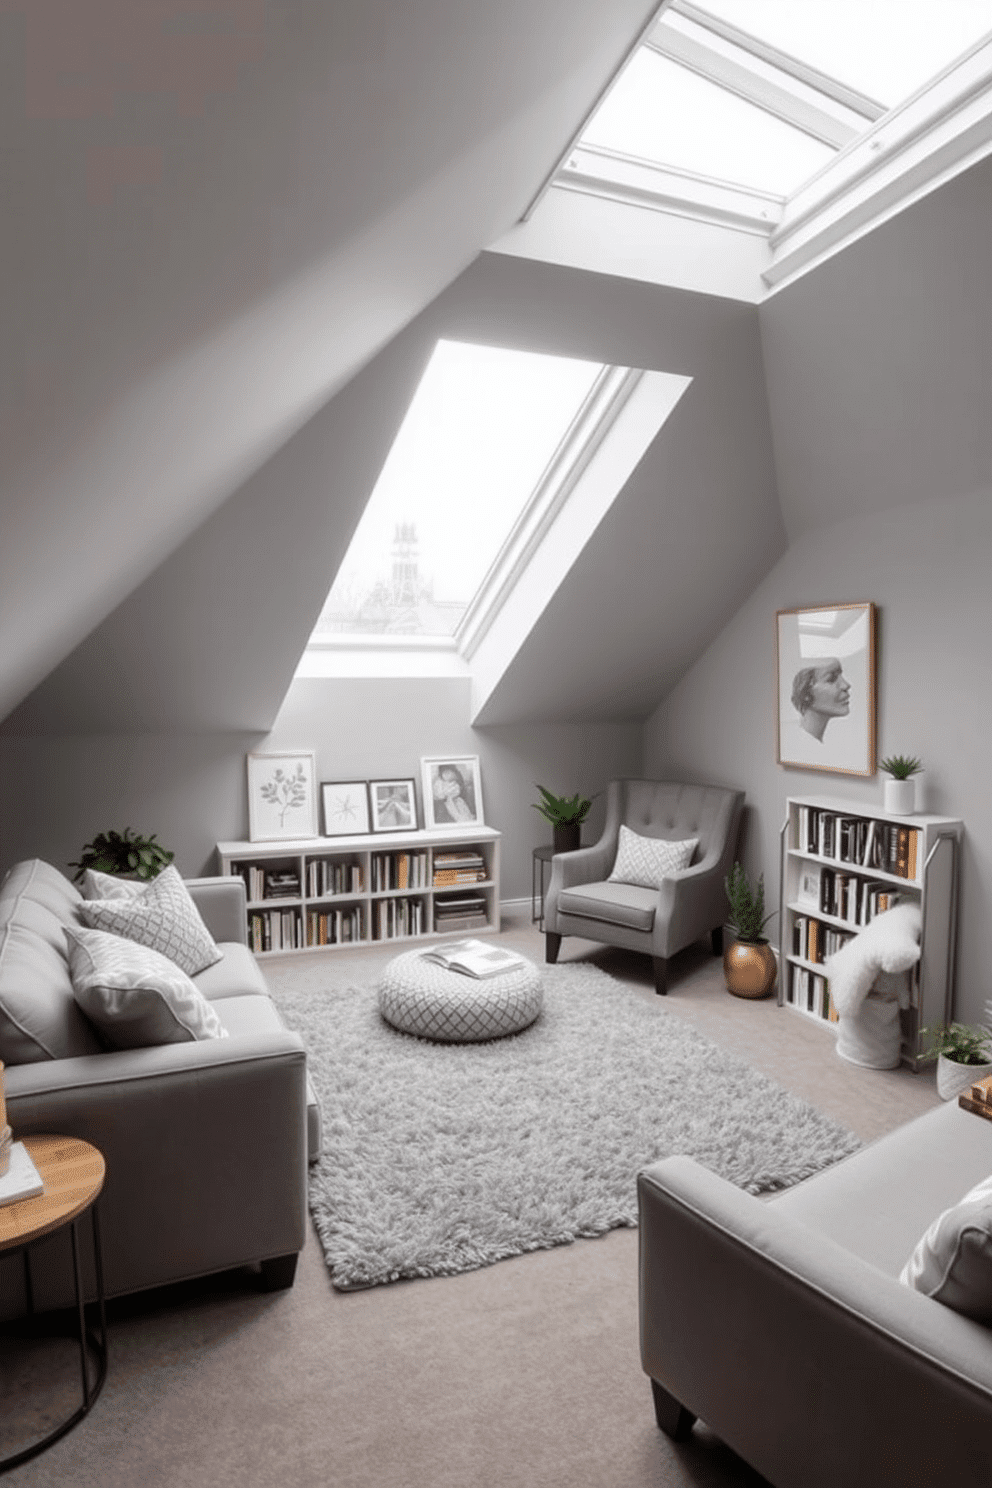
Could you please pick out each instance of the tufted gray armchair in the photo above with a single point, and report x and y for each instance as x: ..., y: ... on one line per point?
x: 690, y: 904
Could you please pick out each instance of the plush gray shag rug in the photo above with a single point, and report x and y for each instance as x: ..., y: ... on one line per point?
x: 440, y: 1158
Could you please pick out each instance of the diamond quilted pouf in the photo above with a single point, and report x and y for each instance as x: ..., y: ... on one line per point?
x: 420, y: 997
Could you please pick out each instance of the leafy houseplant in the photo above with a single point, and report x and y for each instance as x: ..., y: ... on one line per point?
x: 901, y: 766
x: 900, y: 788
x: 963, y: 1055
x: 123, y: 853
x: 566, y: 815
x: 749, y: 965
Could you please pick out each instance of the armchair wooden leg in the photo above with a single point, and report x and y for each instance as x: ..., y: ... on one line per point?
x: 716, y: 940
x: 660, y: 975
x: 673, y: 1418
x: 552, y: 945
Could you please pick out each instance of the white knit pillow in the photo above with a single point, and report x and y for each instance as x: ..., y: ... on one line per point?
x: 645, y: 861
x: 134, y: 996
x: 953, y: 1261
x: 162, y: 917
x: 97, y: 885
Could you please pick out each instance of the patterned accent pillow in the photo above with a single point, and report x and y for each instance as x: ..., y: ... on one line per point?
x: 97, y: 885
x: 133, y: 995
x: 645, y: 861
x: 953, y: 1261
x: 162, y: 917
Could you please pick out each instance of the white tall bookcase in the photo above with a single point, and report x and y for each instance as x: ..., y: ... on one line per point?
x: 933, y: 884
x: 364, y: 906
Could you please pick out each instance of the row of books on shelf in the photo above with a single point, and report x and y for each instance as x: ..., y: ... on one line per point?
x: 859, y: 841
x: 846, y: 896
x: 460, y: 912
x: 329, y: 876
x: 275, y: 930
x: 810, y: 992
x: 335, y: 926
x: 393, y: 919
x: 815, y: 941
x: 399, y: 870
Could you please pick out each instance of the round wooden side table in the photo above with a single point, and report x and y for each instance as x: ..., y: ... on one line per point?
x: 72, y: 1172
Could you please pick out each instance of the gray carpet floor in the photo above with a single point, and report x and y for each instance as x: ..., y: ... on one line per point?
x: 522, y: 1373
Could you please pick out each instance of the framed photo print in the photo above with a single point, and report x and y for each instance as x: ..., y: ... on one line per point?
x: 346, y: 807
x: 452, y: 788
x: 394, y: 805
x: 282, y: 800
x: 825, y: 688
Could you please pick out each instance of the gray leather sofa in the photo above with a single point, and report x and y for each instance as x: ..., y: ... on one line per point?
x: 690, y: 904
x: 782, y: 1323
x: 206, y: 1143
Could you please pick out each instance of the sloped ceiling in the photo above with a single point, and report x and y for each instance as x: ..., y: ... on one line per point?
x: 221, y: 210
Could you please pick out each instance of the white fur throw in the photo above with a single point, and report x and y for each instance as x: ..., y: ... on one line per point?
x: 889, y: 943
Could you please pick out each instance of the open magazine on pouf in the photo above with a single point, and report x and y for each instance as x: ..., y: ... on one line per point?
x: 474, y: 958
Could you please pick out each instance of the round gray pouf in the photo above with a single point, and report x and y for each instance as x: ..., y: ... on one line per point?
x: 420, y: 997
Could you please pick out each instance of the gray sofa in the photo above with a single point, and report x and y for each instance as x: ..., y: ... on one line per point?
x: 690, y: 904
x: 206, y: 1143
x: 782, y: 1323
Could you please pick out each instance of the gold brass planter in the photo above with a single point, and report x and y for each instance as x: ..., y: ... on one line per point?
x: 749, y: 969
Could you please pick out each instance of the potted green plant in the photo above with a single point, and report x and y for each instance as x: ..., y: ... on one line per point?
x: 963, y: 1055
x: 900, y: 788
x: 749, y: 965
x: 125, y: 854
x: 566, y: 815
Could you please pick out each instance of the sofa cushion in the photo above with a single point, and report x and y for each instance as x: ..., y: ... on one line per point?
x: 613, y: 903
x: 162, y: 917
x: 646, y: 861
x: 135, y: 996
x: 258, y: 1014
x: 953, y: 1262
x: 39, y: 1018
x: 235, y: 975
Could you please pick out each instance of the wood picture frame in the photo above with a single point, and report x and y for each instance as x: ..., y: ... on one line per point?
x: 394, y: 805
x: 825, y: 688
x: 452, y: 791
x: 282, y: 798
x: 345, y: 805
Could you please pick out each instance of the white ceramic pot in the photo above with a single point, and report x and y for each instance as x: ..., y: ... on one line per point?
x: 900, y: 797
x: 953, y: 1079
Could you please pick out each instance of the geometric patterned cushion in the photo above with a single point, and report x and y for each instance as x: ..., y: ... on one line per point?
x: 97, y: 885
x: 645, y: 861
x: 162, y: 917
x: 422, y: 998
x: 136, y: 997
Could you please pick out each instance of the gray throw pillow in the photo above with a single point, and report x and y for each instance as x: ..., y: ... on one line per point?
x: 646, y: 861
x: 162, y: 917
x: 97, y: 885
x: 953, y: 1261
x: 135, y: 996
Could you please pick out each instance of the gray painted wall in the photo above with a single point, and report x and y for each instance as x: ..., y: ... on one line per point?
x: 927, y: 568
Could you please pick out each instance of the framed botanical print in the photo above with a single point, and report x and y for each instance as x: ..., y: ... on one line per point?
x: 825, y: 688
x: 346, y: 807
x: 282, y: 801
x: 394, y: 805
x: 452, y: 790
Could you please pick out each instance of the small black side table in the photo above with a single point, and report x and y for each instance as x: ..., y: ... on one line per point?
x: 539, y: 858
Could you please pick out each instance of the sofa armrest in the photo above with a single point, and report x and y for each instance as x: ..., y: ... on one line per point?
x: 815, y: 1366
x: 222, y: 902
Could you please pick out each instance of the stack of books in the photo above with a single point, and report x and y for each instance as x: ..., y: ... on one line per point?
x: 460, y: 912
x: 979, y: 1098
x: 282, y: 883
x: 460, y: 867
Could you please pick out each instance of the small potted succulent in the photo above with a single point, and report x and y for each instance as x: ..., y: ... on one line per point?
x: 900, y: 788
x: 963, y: 1055
x: 566, y: 815
x: 749, y: 965
x: 125, y: 854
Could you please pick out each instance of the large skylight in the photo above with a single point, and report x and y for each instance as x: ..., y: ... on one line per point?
x: 480, y: 432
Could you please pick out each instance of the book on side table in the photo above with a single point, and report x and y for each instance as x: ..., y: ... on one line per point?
x: 979, y: 1098
x: 22, y: 1179
x: 474, y: 958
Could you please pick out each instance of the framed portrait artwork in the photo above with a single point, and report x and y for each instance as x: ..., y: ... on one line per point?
x: 394, y: 805
x: 825, y: 688
x: 346, y: 807
x: 452, y: 789
x: 282, y: 800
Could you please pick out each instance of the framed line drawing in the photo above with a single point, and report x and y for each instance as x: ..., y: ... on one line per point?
x: 394, y: 805
x: 346, y: 807
x: 452, y: 790
x: 825, y: 688
x: 282, y: 800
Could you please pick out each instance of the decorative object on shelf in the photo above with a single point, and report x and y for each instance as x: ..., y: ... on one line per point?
x: 566, y: 815
x: 394, y: 805
x: 123, y: 853
x: 825, y: 692
x: 452, y: 789
x: 963, y: 1054
x: 900, y: 788
x: 346, y: 807
x: 749, y: 965
x: 282, y: 800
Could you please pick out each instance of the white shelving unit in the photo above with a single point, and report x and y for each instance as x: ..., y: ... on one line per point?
x: 924, y: 869
x: 388, y: 888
